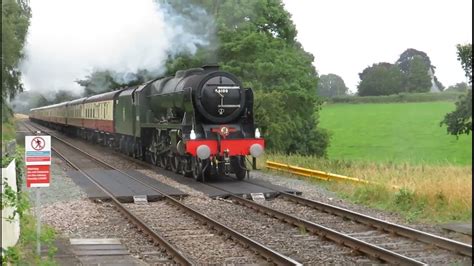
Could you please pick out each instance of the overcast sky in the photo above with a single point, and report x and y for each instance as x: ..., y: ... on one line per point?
x: 346, y: 36
x: 68, y: 39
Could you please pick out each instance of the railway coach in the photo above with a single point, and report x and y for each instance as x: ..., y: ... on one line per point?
x: 198, y: 122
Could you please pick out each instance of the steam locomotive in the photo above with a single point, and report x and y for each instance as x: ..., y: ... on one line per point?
x: 198, y: 122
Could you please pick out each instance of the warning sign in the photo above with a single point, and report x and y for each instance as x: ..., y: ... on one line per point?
x: 38, y: 150
x: 38, y: 143
x: 38, y: 160
x: 37, y: 175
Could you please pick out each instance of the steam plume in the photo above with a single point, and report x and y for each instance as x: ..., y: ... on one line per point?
x: 68, y: 40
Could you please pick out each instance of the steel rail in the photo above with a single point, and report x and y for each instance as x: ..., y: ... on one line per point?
x: 174, y: 253
x: 340, y: 238
x: 404, y: 231
x: 397, y: 229
x: 264, y: 251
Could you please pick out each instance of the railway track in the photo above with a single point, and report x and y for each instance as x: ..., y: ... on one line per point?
x: 375, y: 238
x: 156, y: 232
x: 420, y: 246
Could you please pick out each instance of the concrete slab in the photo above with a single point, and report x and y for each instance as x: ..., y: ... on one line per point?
x: 94, y: 241
x: 122, y: 186
x: 274, y: 187
x: 87, y: 186
x: 168, y: 190
x: 223, y: 186
x: 63, y: 255
x: 463, y: 228
x: 114, y: 260
x: 189, y: 181
x: 106, y: 251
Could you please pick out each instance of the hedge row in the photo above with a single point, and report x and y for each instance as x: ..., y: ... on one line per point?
x: 402, y: 97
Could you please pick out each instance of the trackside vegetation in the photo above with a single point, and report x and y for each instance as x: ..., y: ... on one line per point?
x: 24, y: 252
x: 426, y: 193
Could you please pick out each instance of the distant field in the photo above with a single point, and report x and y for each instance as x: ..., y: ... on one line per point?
x: 394, y: 132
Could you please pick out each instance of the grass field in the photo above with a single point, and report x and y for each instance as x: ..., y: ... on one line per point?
x: 394, y: 132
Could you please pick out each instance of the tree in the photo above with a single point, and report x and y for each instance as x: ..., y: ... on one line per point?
x: 465, y: 56
x: 459, y: 87
x: 15, y: 21
x: 408, y: 55
x: 405, y: 62
x: 416, y: 77
x: 331, y: 85
x: 460, y: 120
x: 380, y: 79
x: 258, y: 43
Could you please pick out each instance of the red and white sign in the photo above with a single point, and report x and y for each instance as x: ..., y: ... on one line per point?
x: 37, y: 160
x: 37, y: 175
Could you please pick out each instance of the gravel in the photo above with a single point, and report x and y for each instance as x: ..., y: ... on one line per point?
x: 202, y: 244
x: 283, y: 238
x: 401, y: 245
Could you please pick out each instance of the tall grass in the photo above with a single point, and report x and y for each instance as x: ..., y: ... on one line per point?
x: 432, y: 193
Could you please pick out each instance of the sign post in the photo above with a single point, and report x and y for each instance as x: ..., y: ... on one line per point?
x: 38, y: 162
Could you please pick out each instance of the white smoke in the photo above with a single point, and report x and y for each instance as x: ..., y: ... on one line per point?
x: 69, y: 39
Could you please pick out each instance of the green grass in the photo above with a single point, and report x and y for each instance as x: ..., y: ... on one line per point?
x: 395, y: 133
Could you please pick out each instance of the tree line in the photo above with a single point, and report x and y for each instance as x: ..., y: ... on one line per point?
x: 411, y: 73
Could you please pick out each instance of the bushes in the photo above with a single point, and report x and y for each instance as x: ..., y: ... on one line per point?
x: 402, y: 97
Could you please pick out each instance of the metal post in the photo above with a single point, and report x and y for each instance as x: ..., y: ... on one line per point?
x: 254, y: 163
x: 38, y: 222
